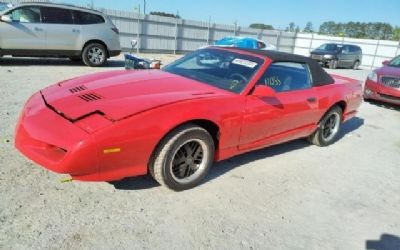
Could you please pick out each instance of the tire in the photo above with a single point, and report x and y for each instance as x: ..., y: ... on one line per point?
x: 356, y: 65
x: 321, y: 137
x: 333, y: 64
x: 170, y: 165
x: 94, y: 55
x: 367, y: 99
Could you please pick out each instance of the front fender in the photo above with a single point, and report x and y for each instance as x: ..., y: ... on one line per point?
x: 135, y: 138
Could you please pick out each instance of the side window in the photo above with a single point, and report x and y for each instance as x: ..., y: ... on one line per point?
x: 354, y: 49
x: 57, y: 15
x: 260, y: 45
x: 346, y: 49
x: 286, y: 76
x: 81, y: 17
x: 29, y: 14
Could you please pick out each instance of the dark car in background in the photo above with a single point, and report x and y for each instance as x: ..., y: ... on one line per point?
x: 336, y: 55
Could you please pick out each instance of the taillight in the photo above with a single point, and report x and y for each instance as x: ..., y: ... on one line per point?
x: 115, y: 30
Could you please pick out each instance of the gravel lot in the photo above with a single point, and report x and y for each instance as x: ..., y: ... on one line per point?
x: 291, y: 196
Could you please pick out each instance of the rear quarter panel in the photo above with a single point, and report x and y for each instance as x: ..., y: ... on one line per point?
x: 100, y: 32
x: 344, y: 89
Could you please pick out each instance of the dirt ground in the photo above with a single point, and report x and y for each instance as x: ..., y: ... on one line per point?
x: 291, y: 196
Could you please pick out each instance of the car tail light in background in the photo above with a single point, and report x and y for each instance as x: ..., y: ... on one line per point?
x: 115, y: 30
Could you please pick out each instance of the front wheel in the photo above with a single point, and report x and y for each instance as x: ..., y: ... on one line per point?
x: 333, y: 64
x: 183, y: 158
x: 94, y: 55
x: 328, y: 128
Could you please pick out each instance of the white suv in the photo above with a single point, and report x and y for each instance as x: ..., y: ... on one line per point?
x: 45, y: 29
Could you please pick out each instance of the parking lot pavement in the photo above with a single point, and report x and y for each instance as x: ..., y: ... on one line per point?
x: 291, y: 196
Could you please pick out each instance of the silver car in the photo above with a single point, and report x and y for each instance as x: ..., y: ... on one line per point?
x: 47, y: 30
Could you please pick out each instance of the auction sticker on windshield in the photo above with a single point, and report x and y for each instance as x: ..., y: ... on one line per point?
x: 244, y: 62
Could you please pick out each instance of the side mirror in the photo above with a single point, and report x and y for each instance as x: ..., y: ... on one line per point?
x: 386, y: 62
x: 263, y: 91
x: 6, y: 18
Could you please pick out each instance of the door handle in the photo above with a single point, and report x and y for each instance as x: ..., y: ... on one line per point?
x: 75, y: 30
x: 38, y: 29
x: 311, y: 99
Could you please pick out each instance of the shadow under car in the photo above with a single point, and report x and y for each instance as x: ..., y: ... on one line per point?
x: 223, y: 167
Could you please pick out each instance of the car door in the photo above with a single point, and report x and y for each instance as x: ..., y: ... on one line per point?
x: 346, y: 57
x: 62, y: 34
x: 290, y: 113
x: 355, y: 52
x: 25, y: 32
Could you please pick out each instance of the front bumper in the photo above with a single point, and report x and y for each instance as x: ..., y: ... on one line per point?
x: 380, y: 92
x: 321, y: 59
x: 54, y: 142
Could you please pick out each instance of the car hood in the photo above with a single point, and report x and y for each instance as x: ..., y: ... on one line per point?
x: 387, y: 70
x: 119, y: 94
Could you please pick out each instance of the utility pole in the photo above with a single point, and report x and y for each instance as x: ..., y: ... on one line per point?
x: 208, y: 30
x: 144, y: 7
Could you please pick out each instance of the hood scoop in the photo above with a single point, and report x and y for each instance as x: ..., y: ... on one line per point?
x: 121, y: 94
x: 77, y: 89
x: 90, y: 97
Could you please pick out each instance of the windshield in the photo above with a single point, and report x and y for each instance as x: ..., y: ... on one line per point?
x: 395, y: 62
x: 222, y: 69
x: 329, y: 47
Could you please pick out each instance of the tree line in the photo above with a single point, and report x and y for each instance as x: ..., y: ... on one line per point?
x: 165, y: 14
x: 370, y: 30
x: 375, y: 30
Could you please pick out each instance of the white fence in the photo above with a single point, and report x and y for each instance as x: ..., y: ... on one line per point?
x: 164, y: 34
x: 173, y: 35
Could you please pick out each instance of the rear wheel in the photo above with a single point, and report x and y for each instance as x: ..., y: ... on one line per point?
x: 328, y: 128
x: 94, y: 55
x: 183, y: 158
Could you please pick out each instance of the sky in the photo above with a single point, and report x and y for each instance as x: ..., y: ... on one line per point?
x: 277, y: 13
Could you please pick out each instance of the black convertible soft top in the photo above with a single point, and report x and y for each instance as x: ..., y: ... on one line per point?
x: 319, y: 75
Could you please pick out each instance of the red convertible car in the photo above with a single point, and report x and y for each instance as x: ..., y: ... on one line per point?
x: 207, y: 106
x: 383, y: 84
